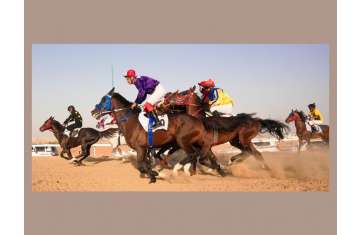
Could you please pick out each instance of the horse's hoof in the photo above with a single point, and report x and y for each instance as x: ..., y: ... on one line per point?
x: 154, y: 173
x: 178, y: 167
x: 221, y: 172
x: 152, y: 180
x: 187, y: 169
x: 77, y: 163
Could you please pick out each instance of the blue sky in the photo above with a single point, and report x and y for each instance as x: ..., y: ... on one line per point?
x: 269, y: 79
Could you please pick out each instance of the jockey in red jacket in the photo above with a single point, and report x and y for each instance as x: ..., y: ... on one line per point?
x: 217, y: 99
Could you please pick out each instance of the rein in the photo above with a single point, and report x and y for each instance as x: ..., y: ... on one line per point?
x: 179, y: 100
x: 111, y: 111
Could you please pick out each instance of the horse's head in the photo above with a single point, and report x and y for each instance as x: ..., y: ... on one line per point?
x: 293, y: 116
x: 47, y: 125
x: 192, y: 89
x: 103, y: 106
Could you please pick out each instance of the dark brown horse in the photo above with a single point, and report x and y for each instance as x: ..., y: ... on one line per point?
x: 299, y: 118
x: 86, y: 138
x: 239, y: 130
x: 183, y: 130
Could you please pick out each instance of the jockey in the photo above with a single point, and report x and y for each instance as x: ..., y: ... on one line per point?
x: 315, y: 118
x: 150, y: 91
x: 74, y: 117
x: 217, y: 99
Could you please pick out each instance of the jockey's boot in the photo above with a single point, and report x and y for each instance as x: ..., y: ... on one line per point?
x: 72, y: 133
x: 157, y: 121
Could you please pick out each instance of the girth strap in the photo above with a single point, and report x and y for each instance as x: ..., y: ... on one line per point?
x: 215, y: 136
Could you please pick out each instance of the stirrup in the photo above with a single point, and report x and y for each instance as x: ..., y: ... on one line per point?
x: 157, y: 125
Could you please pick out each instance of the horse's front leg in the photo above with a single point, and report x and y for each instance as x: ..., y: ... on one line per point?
x: 69, y: 154
x: 162, y: 161
x: 66, y: 150
x: 300, y: 144
x: 206, y: 153
x: 62, y: 154
x: 77, y: 159
x: 115, y: 144
x: 189, y: 162
x: 144, y: 165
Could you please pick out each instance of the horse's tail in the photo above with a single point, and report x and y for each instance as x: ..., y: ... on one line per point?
x: 108, y: 133
x: 275, y: 128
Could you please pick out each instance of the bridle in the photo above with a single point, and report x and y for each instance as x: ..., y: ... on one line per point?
x: 181, y: 100
x: 113, y: 111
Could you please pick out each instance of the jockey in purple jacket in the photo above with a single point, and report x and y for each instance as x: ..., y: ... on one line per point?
x: 150, y: 92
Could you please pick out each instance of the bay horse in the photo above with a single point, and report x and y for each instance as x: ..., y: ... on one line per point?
x: 86, y: 138
x: 185, y: 131
x: 238, y: 130
x: 299, y: 118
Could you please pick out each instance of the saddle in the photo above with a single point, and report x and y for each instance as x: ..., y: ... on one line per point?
x: 144, y: 121
x: 75, y: 132
x: 313, y: 129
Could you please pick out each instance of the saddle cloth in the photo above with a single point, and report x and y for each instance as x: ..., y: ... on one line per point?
x: 74, y: 133
x: 144, y: 121
x: 308, y: 128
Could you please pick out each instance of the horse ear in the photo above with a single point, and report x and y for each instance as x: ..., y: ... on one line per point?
x: 111, y: 91
x: 192, y: 88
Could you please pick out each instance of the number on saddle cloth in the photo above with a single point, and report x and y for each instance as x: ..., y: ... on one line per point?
x: 150, y: 131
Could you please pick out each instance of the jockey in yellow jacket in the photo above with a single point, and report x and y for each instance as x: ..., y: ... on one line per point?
x: 217, y: 99
x: 315, y: 118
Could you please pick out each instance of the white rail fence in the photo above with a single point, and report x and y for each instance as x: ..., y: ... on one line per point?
x: 263, y: 144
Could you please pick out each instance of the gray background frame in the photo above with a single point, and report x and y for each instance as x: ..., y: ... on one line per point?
x: 185, y: 21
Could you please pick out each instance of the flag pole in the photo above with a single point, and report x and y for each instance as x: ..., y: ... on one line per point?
x: 112, y: 75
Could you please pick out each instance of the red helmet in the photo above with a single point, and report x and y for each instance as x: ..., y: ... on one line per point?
x: 207, y: 83
x: 130, y: 73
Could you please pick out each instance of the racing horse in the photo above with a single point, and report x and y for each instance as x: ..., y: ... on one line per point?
x: 239, y: 130
x: 86, y: 138
x: 299, y: 118
x: 184, y: 130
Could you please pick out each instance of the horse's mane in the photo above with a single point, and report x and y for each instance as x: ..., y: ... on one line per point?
x: 302, y: 115
x: 124, y: 102
x: 168, y: 94
x: 229, y: 123
x: 58, y: 125
x: 121, y: 99
x: 197, y: 98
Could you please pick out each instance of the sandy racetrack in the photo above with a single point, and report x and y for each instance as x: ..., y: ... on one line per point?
x: 290, y: 172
